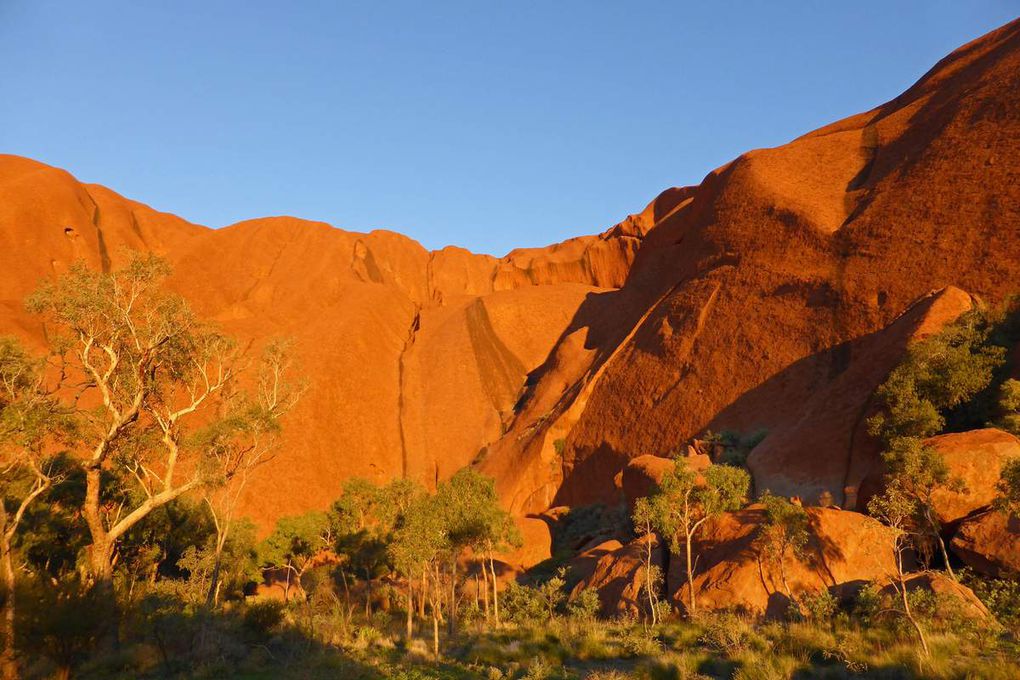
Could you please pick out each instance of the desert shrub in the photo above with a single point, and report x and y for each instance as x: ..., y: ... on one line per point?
x: 728, y: 633
x: 60, y: 622
x: 263, y: 617
x: 637, y: 641
x: 1002, y: 597
x: 819, y: 607
x: 522, y: 605
x: 585, y: 607
x: 868, y: 603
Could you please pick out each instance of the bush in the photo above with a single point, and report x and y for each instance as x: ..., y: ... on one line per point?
x: 522, y: 605
x: 585, y: 607
x: 819, y: 607
x: 263, y: 617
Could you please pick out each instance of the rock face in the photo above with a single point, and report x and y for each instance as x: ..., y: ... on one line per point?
x: 619, y: 577
x: 989, y: 544
x: 946, y: 589
x: 772, y: 296
x: 845, y: 549
x: 414, y: 359
x: 976, y: 457
x: 762, y: 299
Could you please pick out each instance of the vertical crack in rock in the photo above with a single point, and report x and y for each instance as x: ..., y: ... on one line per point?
x: 412, y: 332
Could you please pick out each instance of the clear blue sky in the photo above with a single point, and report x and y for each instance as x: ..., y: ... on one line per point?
x: 483, y: 124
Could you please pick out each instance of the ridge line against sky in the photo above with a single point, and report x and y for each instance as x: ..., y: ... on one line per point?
x: 483, y: 125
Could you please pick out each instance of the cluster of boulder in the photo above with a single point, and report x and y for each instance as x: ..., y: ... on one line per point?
x: 845, y: 551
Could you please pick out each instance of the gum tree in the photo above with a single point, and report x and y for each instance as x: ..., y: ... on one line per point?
x: 686, y: 500
x: 146, y: 369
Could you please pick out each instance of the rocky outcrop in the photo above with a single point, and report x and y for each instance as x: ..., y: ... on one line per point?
x: 771, y: 297
x: 774, y: 299
x: 619, y: 577
x: 844, y: 550
x: 989, y: 544
x: 950, y: 593
x: 975, y: 458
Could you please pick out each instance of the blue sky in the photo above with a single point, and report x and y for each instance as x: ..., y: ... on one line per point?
x: 489, y: 125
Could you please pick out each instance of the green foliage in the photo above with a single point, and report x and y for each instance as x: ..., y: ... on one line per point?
x: 938, y: 378
x: 1009, y: 488
x: 522, y: 604
x: 736, y: 447
x: 584, y: 606
x: 819, y: 606
x: 264, y: 617
x: 683, y: 502
x: 1009, y: 407
x: 784, y: 534
x: 294, y: 541
x: 1002, y: 597
x: 60, y: 621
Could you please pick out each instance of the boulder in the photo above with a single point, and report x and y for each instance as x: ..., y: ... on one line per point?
x: 536, y: 543
x: 946, y: 589
x: 642, y: 475
x: 989, y: 543
x: 845, y: 549
x: 976, y: 457
x: 618, y: 577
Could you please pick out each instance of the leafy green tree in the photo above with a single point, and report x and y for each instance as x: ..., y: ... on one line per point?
x: 417, y: 547
x: 241, y: 441
x: 684, y: 502
x: 152, y: 368
x: 474, y: 521
x: 1009, y: 406
x: 293, y: 545
x: 30, y: 420
x: 363, y: 520
x: 782, y: 536
x: 937, y: 376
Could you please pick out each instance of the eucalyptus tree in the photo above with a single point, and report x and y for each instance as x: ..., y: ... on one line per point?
x: 686, y: 499
x: 147, y: 371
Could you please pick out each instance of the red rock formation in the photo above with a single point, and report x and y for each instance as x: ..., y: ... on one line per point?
x: 844, y: 550
x: 989, y: 544
x: 414, y: 359
x: 619, y: 577
x: 761, y: 296
x: 756, y: 300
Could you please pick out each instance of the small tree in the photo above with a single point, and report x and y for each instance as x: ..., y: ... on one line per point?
x: 473, y: 520
x: 919, y: 471
x: 293, y: 545
x: 938, y: 376
x: 241, y: 441
x: 644, y: 519
x: 783, y: 535
x: 683, y: 503
x: 30, y: 420
x: 417, y: 547
x: 899, y: 510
